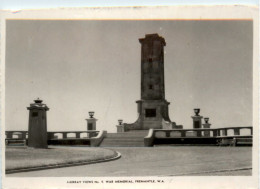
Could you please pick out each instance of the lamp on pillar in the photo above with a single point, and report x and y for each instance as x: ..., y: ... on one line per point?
x: 196, y: 111
x: 37, y: 132
x: 120, y: 126
x: 206, y: 125
x: 196, y: 119
x: 91, y: 121
x: 206, y: 119
x: 120, y: 121
x: 91, y: 114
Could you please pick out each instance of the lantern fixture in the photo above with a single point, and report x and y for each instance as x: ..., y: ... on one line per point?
x: 91, y: 114
x: 120, y: 121
x: 38, y: 101
x: 197, y: 111
x: 206, y: 119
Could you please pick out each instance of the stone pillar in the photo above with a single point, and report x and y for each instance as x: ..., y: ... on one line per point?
x: 236, y: 131
x: 198, y: 133
x: 196, y: 119
x: 9, y: 134
x: 167, y: 133
x: 23, y: 135
x: 183, y: 133
x: 77, y: 135
x: 64, y: 135
x: 206, y: 133
x: 91, y: 122
x: 37, y: 134
x: 215, y: 133
x: 120, y: 128
x: 224, y: 132
x: 206, y: 125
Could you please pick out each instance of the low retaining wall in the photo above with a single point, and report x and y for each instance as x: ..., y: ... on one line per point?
x: 96, y: 141
x: 186, y: 141
x: 199, y: 137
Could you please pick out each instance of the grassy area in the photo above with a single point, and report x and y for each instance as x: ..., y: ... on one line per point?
x: 23, y: 157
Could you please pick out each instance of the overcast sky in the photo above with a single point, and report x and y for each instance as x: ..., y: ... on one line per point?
x: 83, y: 65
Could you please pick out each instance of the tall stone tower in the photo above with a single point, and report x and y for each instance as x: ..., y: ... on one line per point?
x: 152, y: 67
x: 152, y: 108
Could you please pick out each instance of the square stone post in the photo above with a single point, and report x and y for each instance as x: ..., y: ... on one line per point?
x: 236, y: 131
x: 120, y: 128
x: 9, y: 134
x: 215, y: 133
x: 64, y: 135
x: 224, y: 132
x: 77, y: 135
x: 91, y: 122
x: 167, y: 133
x: 37, y: 134
x: 196, y: 121
x: 206, y: 126
x: 183, y: 133
x: 24, y: 135
x: 198, y: 133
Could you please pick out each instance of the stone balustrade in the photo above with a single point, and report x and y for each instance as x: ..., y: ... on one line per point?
x: 203, y: 132
x: 23, y: 135
x: 16, y: 135
x: 197, y: 133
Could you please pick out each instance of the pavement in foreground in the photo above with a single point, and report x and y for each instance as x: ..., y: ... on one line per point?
x: 162, y: 161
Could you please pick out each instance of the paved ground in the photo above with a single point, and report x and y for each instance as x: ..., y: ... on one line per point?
x: 162, y: 161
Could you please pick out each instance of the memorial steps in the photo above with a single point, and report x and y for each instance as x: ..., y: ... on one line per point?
x: 126, y: 139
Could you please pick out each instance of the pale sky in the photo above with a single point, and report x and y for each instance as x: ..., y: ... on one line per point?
x: 79, y: 66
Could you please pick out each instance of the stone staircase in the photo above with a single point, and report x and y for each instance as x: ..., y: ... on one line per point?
x: 134, y: 138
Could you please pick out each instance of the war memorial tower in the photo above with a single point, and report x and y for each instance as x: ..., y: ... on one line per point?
x: 152, y: 108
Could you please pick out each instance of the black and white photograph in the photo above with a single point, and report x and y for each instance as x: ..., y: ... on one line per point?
x: 126, y: 101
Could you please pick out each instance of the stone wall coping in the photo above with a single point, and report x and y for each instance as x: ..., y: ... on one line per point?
x: 201, y: 129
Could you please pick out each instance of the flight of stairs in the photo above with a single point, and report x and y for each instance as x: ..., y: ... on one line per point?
x: 126, y: 139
